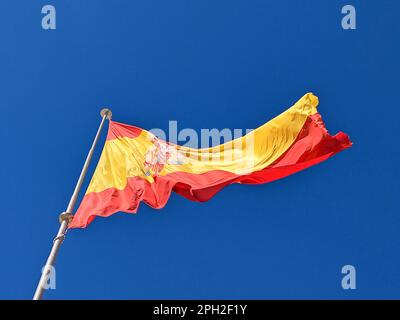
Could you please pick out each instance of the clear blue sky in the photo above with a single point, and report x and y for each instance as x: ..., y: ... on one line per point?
x: 206, y: 64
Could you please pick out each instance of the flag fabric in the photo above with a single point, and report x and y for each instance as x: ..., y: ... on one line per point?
x: 137, y: 166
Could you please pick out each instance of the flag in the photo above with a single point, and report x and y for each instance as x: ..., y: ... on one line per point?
x: 135, y: 165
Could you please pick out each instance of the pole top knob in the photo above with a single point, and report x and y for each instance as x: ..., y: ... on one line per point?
x: 106, y: 112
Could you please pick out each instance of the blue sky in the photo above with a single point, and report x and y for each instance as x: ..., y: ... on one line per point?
x: 206, y: 64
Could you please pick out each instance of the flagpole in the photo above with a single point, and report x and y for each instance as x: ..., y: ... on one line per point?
x: 66, y: 217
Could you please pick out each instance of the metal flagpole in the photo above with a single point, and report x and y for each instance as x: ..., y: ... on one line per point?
x: 66, y: 217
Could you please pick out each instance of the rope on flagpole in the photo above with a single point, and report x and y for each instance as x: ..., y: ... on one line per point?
x: 66, y: 217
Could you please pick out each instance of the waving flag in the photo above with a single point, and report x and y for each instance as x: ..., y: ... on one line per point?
x: 137, y: 166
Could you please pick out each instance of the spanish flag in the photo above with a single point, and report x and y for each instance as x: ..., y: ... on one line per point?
x: 137, y: 166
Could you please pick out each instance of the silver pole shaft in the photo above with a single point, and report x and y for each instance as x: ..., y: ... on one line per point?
x: 58, y: 240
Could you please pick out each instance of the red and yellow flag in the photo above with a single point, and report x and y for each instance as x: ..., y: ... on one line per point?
x: 137, y: 166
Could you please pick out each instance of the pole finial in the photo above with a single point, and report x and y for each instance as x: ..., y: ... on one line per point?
x: 106, y: 112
